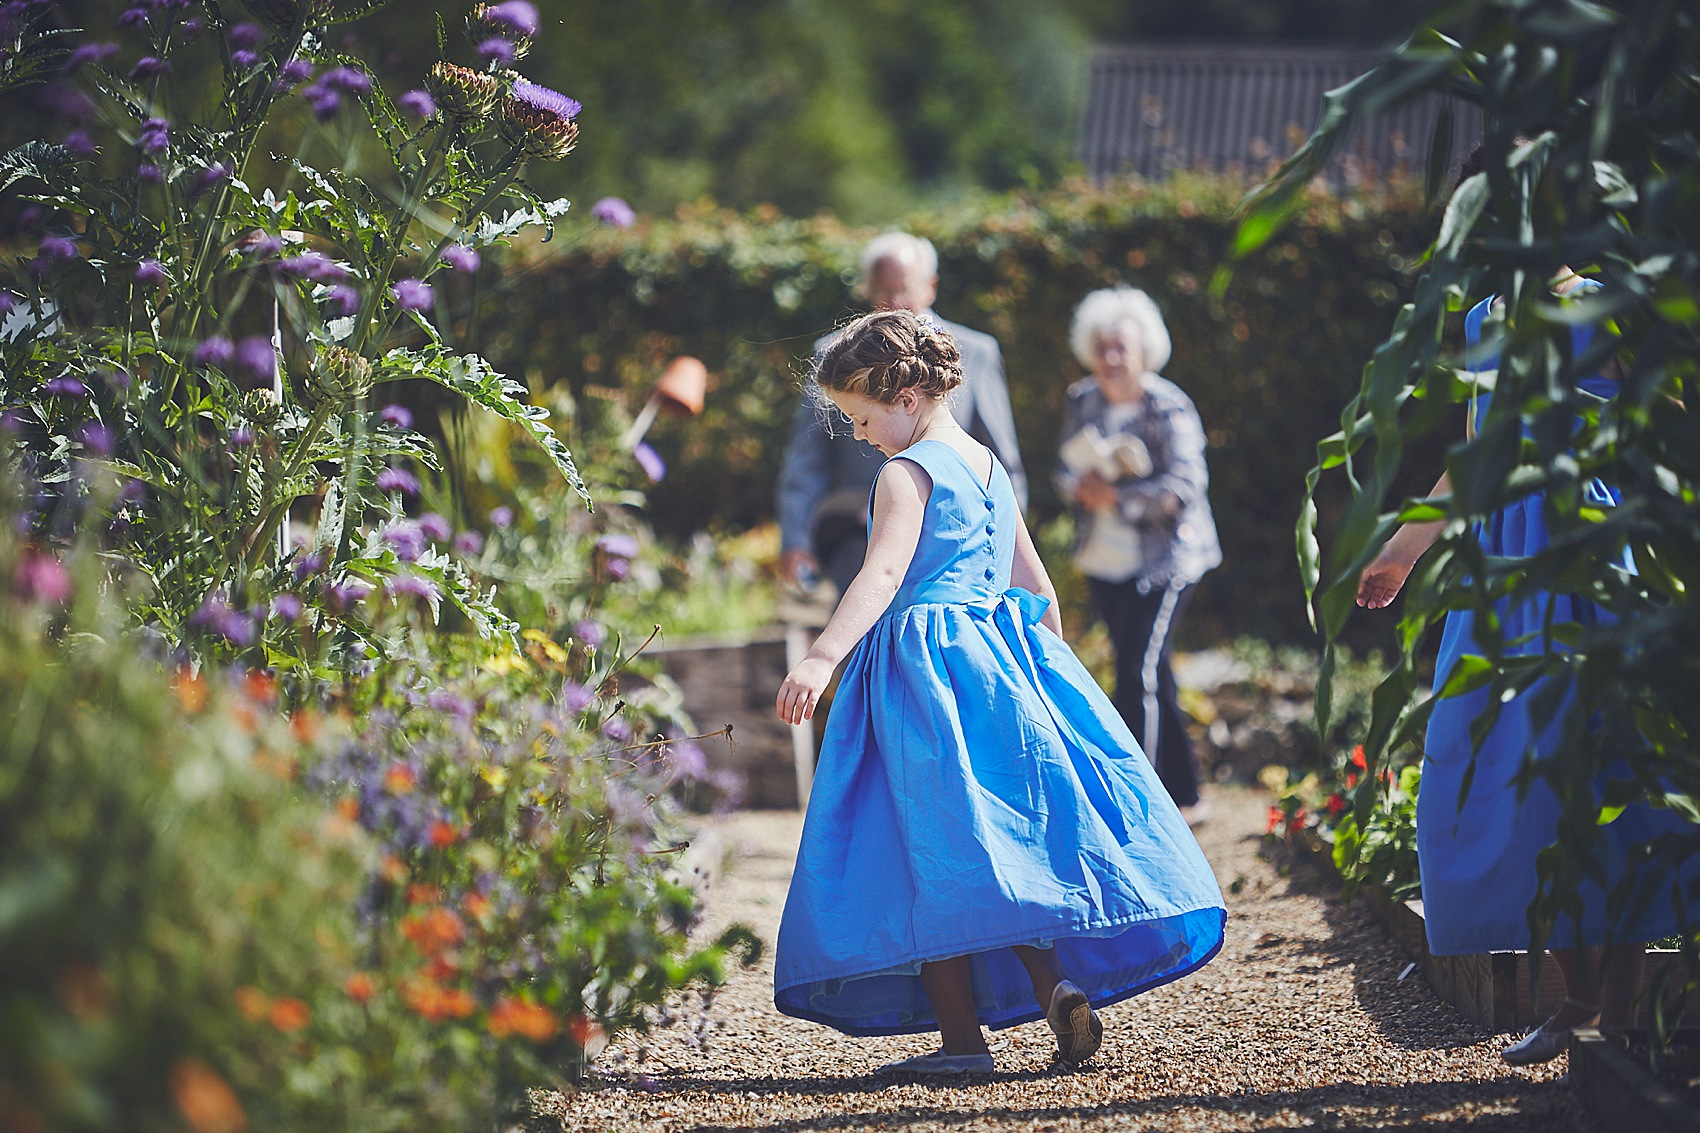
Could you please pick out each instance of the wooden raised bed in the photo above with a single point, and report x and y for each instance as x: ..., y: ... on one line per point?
x: 1491, y: 990
x: 1621, y: 1092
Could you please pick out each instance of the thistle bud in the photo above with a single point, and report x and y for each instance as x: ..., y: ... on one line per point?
x: 262, y: 407
x: 340, y: 375
x: 460, y: 92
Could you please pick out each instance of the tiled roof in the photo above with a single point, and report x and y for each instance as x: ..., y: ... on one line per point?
x: 1153, y: 109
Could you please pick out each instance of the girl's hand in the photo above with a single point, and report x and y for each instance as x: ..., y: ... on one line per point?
x: 801, y: 690
x: 1096, y: 493
x: 1381, y: 580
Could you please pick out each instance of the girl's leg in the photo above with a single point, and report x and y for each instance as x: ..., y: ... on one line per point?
x: 1621, y: 968
x: 1043, y: 969
x: 1581, y: 974
x: 950, y: 987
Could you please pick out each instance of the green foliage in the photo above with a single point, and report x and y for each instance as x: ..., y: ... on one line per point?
x: 1608, y: 183
x: 749, y: 293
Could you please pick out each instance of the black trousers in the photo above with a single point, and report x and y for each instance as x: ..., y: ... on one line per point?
x: 1142, y: 626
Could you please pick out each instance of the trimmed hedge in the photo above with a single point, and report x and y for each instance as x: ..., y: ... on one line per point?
x: 1269, y: 364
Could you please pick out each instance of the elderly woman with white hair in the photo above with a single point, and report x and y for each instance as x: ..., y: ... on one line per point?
x: 1133, y: 472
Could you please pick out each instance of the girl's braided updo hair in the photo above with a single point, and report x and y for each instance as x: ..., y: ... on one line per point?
x: 880, y: 355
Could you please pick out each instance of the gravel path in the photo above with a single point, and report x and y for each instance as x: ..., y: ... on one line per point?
x: 1302, y: 1021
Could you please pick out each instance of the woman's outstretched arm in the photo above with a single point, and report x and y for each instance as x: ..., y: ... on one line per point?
x: 900, y: 500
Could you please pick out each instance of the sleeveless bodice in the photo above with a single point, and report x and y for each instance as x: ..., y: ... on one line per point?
x: 967, y: 542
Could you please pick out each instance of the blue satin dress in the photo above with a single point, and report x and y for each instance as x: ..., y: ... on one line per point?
x: 1478, y: 863
x: 977, y: 790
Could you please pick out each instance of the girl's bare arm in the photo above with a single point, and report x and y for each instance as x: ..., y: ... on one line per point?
x: 1028, y: 572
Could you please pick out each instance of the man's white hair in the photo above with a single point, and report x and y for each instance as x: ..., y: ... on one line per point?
x: 1109, y: 307
x: 903, y: 247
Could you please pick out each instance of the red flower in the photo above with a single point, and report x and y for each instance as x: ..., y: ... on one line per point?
x: 1275, y: 817
x: 514, y: 1016
x: 443, y: 834
x: 289, y: 1015
x: 360, y: 986
x: 1358, y: 759
x: 1336, y: 803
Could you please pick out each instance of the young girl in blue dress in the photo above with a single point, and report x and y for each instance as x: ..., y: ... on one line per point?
x: 985, y: 842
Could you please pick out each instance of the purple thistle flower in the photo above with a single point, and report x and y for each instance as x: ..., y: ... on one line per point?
x: 309, y: 564
x: 155, y: 137
x: 150, y: 273
x: 133, y: 19
x: 325, y: 103
x: 236, y: 628
x: 312, y: 266
x: 148, y: 173
x: 58, y: 248
x: 97, y: 438
x: 341, y: 597
x: 614, y: 212
x: 215, y: 351
x: 347, y: 80
x: 190, y: 28
x: 148, y: 67
x: 575, y: 697
x: 590, y: 632
x: 550, y: 101
x: 496, y: 50
x: 406, y: 538
x: 616, y: 728
x: 412, y: 294
x: 650, y: 461
x: 67, y: 102
x: 396, y: 416
x: 398, y: 480
x: 515, y: 16
x: 79, y: 144
x: 418, y: 103
x: 66, y: 386
x: 343, y: 299
x: 243, y: 59
x: 208, y: 177
x: 460, y: 258
x: 618, y: 546
x: 89, y: 53
x: 292, y: 74
x: 618, y: 569
x: 502, y: 516
x: 435, y: 526
x: 256, y: 358
x: 241, y: 437
x: 287, y: 607
x: 247, y: 36
x: 412, y: 584
x: 468, y: 544
x: 688, y: 760
x: 442, y: 700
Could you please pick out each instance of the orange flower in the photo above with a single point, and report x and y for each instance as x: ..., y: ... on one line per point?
x: 289, y: 1015
x: 443, y: 835
x: 581, y: 1030
x: 304, y: 725
x: 280, y: 765
x: 348, y: 807
x: 420, y: 893
x: 515, y: 1016
x: 435, y: 931
x: 432, y: 1001
x: 360, y: 986
x: 392, y: 868
x: 205, y: 1098
x: 191, y: 691
x: 259, y: 686
x: 477, y: 906
x: 253, y: 1002
x: 245, y: 717
x: 400, y: 779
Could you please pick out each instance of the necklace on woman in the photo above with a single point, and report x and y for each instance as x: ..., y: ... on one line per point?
x: 920, y: 434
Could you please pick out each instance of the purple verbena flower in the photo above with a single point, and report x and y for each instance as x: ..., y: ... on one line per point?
x: 39, y: 577
x: 190, y: 28
x: 97, y: 438
x: 398, y: 480
x: 148, y: 173
x: 614, y: 212
x: 312, y: 266
x: 347, y: 80
x: 79, y: 144
x: 412, y: 584
x: 618, y: 546
x: 133, y: 19
x: 66, y: 386
x: 406, y: 538
x: 308, y: 564
x: 496, y: 50
x: 549, y: 101
x: 155, y: 137
x: 58, y: 248
x: 287, y: 607
x: 442, y: 700
x: 247, y: 36
x: 396, y: 416
x: 343, y: 299
x: 435, y: 526
x: 468, y: 544
x: 8, y: 302
x: 150, y: 273
x: 618, y: 569
x: 650, y: 461
x: 502, y: 516
x: 616, y: 728
x: 340, y: 597
x: 460, y: 257
x: 241, y: 437
x: 412, y: 294
x: 208, y: 177
x: 418, y: 103
x: 263, y: 246
x: 688, y: 760
x: 515, y: 16
x: 256, y: 358
x: 88, y: 53
x: 590, y: 632
x: 148, y: 67
x: 215, y: 351
x: 243, y: 59
x: 575, y: 697
x: 292, y: 74
x: 326, y: 103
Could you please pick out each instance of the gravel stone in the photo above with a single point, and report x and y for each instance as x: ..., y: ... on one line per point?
x: 1302, y: 1021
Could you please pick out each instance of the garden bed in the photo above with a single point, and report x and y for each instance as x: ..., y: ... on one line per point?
x: 1623, y: 1093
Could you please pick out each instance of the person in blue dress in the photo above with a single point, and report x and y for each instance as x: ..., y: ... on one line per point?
x: 985, y: 843
x: 1477, y: 860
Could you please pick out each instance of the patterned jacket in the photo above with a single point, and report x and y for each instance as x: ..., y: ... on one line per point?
x: 1177, y: 545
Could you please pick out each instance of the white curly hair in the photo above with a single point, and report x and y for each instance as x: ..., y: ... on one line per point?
x: 1111, y: 306
x: 903, y: 247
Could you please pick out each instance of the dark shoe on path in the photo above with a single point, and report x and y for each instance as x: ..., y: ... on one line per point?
x: 1071, y: 1018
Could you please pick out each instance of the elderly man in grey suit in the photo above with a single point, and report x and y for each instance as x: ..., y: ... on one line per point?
x: 828, y: 474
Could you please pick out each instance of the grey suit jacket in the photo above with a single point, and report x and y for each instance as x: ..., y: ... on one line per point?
x: 825, y: 461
